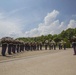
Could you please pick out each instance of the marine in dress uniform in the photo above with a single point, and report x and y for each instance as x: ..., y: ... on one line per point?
x: 40, y: 45
x: 37, y: 45
x: 64, y: 45
x: 4, y: 47
x: 14, y: 47
x: 18, y: 46
x: 74, y: 44
x: 10, y: 46
x: 46, y: 44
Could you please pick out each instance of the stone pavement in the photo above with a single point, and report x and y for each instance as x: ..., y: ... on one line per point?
x: 60, y: 63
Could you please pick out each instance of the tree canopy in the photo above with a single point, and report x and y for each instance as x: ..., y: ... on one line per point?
x: 64, y: 35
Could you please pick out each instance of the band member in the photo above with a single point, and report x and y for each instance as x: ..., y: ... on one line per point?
x: 14, y: 47
x: 4, y: 47
x: 10, y: 46
x: 74, y: 44
x: 37, y: 46
x: 46, y: 44
x: 64, y: 45
x: 40, y: 45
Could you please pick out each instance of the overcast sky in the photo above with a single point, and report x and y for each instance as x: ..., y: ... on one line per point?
x: 30, y: 18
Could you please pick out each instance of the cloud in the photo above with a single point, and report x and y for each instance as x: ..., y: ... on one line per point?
x: 9, y: 27
x: 50, y: 17
x: 13, y: 27
x: 15, y: 11
x: 72, y: 24
x: 11, y: 13
x: 1, y: 15
x: 51, y: 25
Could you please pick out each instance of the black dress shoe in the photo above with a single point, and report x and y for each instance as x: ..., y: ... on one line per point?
x: 10, y: 54
x: 3, y: 55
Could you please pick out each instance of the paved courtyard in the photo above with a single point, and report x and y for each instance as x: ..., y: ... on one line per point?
x: 49, y: 62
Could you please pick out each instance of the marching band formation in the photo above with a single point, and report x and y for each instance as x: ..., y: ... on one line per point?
x: 16, y: 46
